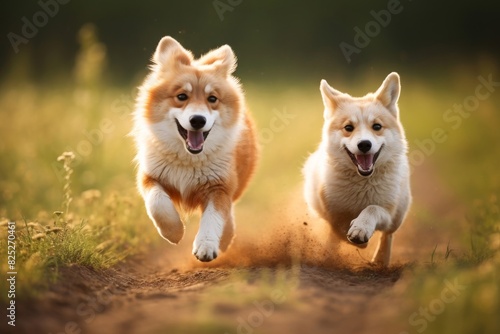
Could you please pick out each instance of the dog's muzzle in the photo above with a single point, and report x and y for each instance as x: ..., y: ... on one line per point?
x: 194, y: 139
x: 365, y: 163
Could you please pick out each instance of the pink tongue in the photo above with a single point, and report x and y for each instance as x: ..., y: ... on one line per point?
x: 195, y: 139
x: 365, y: 161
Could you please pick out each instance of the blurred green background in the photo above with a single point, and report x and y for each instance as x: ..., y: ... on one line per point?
x: 271, y: 38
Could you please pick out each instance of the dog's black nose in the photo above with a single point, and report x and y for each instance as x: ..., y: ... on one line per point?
x: 197, y: 121
x: 365, y: 145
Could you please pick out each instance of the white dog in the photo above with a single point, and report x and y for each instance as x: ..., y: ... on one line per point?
x: 358, y: 179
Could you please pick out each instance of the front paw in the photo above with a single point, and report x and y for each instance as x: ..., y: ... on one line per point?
x: 205, y: 250
x: 165, y: 217
x: 360, y: 232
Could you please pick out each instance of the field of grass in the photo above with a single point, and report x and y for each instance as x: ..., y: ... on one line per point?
x: 90, y: 214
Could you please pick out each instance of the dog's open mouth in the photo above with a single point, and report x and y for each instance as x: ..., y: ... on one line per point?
x: 194, y: 139
x: 364, y: 162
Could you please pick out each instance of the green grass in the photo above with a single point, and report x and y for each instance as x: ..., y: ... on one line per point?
x: 92, y: 231
x: 459, y: 293
x: 79, y: 207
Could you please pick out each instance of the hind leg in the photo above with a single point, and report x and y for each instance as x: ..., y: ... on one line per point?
x: 382, y: 255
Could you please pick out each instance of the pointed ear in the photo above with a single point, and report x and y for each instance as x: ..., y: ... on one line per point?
x: 223, y: 59
x: 170, y: 52
x: 388, y: 93
x: 331, y: 98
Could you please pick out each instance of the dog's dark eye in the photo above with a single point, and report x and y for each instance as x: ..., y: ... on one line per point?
x: 212, y: 99
x: 349, y: 128
x: 182, y: 97
x: 377, y: 127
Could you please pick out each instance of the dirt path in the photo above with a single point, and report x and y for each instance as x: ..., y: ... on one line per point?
x: 148, y: 300
x: 256, y: 287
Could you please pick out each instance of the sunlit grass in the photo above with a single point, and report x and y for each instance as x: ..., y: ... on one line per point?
x: 81, y: 208
x: 458, y: 292
x: 95, y: 231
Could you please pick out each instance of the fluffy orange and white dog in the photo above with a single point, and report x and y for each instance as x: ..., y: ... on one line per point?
x: 358, y: 179
x: 196, y: 144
